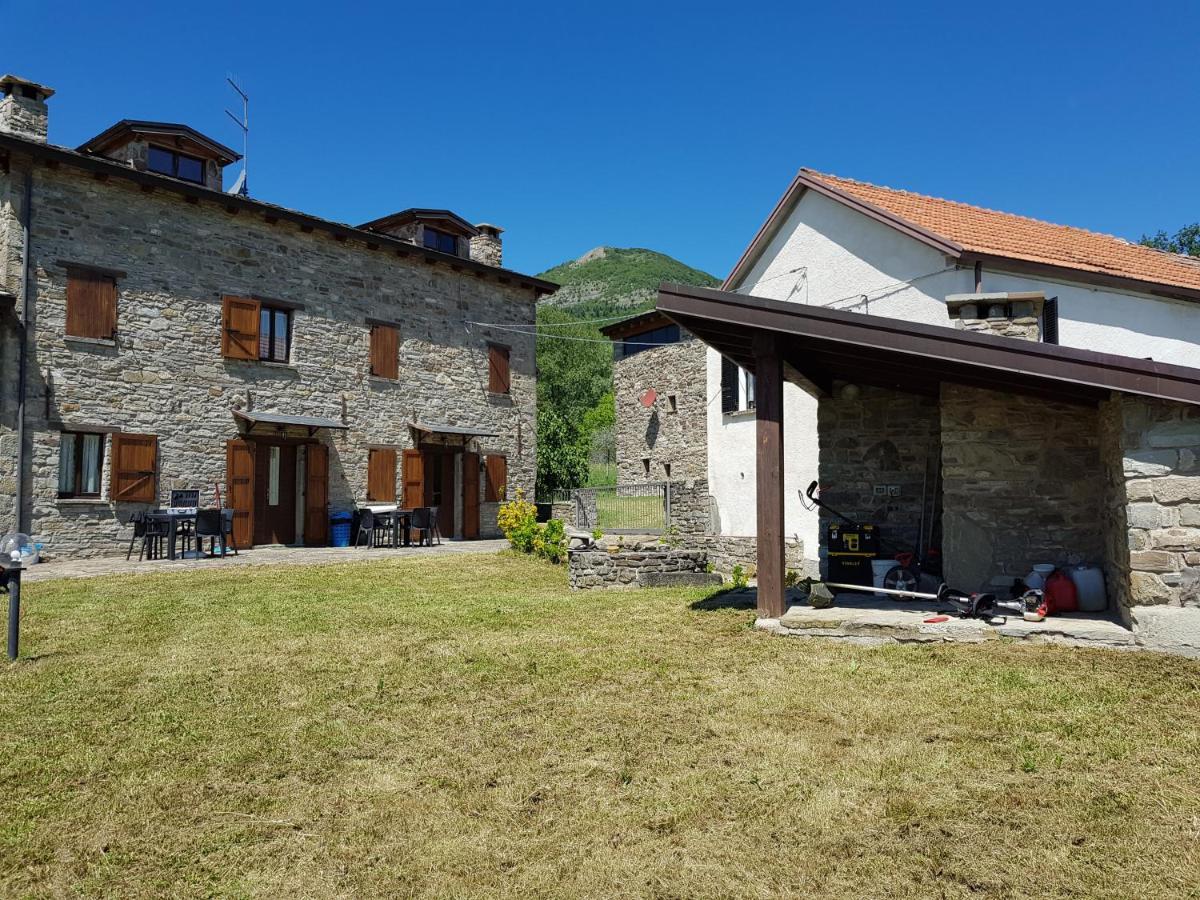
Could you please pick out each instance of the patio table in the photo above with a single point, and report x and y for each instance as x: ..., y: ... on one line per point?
x: 174, y: 516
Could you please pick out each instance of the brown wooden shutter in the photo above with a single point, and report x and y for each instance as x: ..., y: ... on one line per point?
x: 239, y: 489
x: 470, y: 482
x: 134, y: 468
x: 316, y: 495
x: 499, y: 381
x: 497, y: 478
x: 385, y: 351
x: 414, y: 479
x: 381, y: 476
x: 91, y: 305
x: 239, y: 328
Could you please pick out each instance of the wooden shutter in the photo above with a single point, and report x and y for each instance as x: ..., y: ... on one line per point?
x: 134, y: 468
x: 470, y: 488
x: 381, y: 476
x: 497, y: 478
x: 385, y: 351
x: 414, y: 479
x: 729, y: 385
x: 239, y: 328
x: 499, y: 381
x: 1050, y: 321
x: 91, y: 305
x: 239, y: 489
x: 316, y: 495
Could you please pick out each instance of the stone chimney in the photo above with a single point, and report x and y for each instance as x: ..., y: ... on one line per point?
x: 1006, y: 314
x: 23, y: 108
x: 486, y: 247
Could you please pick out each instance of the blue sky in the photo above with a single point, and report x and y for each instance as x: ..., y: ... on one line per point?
x: 669, y: 126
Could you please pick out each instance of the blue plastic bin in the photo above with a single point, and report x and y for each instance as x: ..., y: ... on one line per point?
x: 339, y: 529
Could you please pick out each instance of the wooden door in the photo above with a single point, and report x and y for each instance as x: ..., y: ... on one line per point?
x: 275, y: 494
x: 414, y: 479
x: 470, y: 483
x: 239, y: 489
x: 316, y: 495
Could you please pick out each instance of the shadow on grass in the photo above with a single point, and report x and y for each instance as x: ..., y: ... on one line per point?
x: 728, y: 599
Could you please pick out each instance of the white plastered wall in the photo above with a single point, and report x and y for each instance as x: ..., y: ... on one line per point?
x: 826, y: 254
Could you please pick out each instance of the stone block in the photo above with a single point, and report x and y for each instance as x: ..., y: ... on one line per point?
x: 1177, y: 489
x: 1149, y: 589
x: 1145, y: 515
x: 1138, y: 489
x: 1174, y: 434
x: 1178, y: 539
x: 1149, y: 462
x: 1189, y: 514
x: 1154, y: 561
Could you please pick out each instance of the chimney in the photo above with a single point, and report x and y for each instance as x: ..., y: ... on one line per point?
x: 23, y: 108
x: 486, y: 247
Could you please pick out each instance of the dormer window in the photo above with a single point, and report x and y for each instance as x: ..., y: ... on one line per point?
x: 175, y: 164
x: 442, y: 241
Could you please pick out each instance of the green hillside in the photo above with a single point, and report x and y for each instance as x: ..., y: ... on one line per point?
x: 616, y: 281
x: 575, y: 362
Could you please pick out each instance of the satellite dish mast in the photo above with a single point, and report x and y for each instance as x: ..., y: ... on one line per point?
x: 240, y: 186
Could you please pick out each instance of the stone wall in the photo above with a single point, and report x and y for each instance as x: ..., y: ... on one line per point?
x: 164, y: 374
x: 27, y: 117
x: 871, y: 437
x: 672, y: 432
x: 631, y: 565
x: 1152, y: 515
x: 996, y: 314
x: 1023, y: 483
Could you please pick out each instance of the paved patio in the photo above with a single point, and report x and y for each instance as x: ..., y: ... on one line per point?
x: 263, y: 556
x: 867, y: 619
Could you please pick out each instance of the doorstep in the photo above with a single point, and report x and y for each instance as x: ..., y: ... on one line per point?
x: 871, y: 620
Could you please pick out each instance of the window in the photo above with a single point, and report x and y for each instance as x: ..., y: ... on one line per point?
x: 274, y: 333
x: 648, y: 340
x: 667, y: 470
x: 496, y: 470
x: 254, y: 329
x: 672, y: 406
x: 499, y: 380
x: 177, y: 165
x: 646, y: 466
x: 91, y: 304
x: 134, y: 468
x: 273, y: 476
x: 80, y: 463
x: 737, y: 387
x: 440, y: 240
x: 385, y: 351
x: 381, y: 475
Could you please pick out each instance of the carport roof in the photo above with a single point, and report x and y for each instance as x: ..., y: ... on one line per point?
x: 822, y: 345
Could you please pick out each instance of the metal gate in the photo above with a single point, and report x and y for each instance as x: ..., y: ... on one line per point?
x: 624, y: 508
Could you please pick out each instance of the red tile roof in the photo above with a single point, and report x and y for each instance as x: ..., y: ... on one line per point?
x: 986, y: 231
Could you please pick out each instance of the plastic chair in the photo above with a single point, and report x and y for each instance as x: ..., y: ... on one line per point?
x: 155, y: 533
x: 138, y: 521
x: 435, y: 530
x: 366, y: 525
x: 210, y: 524
x: 420, y: 523
x: 227, y: 527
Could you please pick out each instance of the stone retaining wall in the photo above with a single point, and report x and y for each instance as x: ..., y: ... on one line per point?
x: 630, y: 566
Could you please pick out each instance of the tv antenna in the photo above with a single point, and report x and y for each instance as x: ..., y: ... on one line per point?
x: 240, y: 186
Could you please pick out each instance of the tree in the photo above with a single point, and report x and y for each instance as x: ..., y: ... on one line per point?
x: 1186, y: 240
x: 562, y: 454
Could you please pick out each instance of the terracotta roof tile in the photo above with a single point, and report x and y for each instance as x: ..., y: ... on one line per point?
x: 987, y: 231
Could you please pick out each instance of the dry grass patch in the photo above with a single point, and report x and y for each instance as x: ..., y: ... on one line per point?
x: 465, y: 726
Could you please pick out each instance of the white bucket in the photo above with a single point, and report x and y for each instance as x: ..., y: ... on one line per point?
x: 1089, y: 585
x: 879, y: 569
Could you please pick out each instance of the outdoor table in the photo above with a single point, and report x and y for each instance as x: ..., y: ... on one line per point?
x: 399, y: 519
x: 174, y: 516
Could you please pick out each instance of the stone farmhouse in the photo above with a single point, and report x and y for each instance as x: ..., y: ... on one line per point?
x: 157, y: 333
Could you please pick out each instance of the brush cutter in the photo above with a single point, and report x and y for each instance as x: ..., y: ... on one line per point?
x: 965, y: 606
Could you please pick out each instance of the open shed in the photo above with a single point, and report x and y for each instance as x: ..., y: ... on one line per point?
x: 1047, y: 453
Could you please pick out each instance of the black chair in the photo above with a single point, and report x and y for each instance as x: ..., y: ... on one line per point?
x: 366, y: 525
x: 420, y: 522
x: 138, y: 521
x: 155, y: 534
x: 435, y: 530
x: 227, y: 527
x: 383, y: 531
x: 210, y: 524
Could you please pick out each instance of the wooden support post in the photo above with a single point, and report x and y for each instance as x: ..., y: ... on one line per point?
x: 768, y: 410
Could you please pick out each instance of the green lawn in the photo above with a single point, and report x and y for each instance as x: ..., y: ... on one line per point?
x: 464, y: 726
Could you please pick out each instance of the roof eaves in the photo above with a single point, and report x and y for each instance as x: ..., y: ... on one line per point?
x: 103, y: 167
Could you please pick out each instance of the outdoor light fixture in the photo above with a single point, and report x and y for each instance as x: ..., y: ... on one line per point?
x: 849, y: 392
x: 13, y: 550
